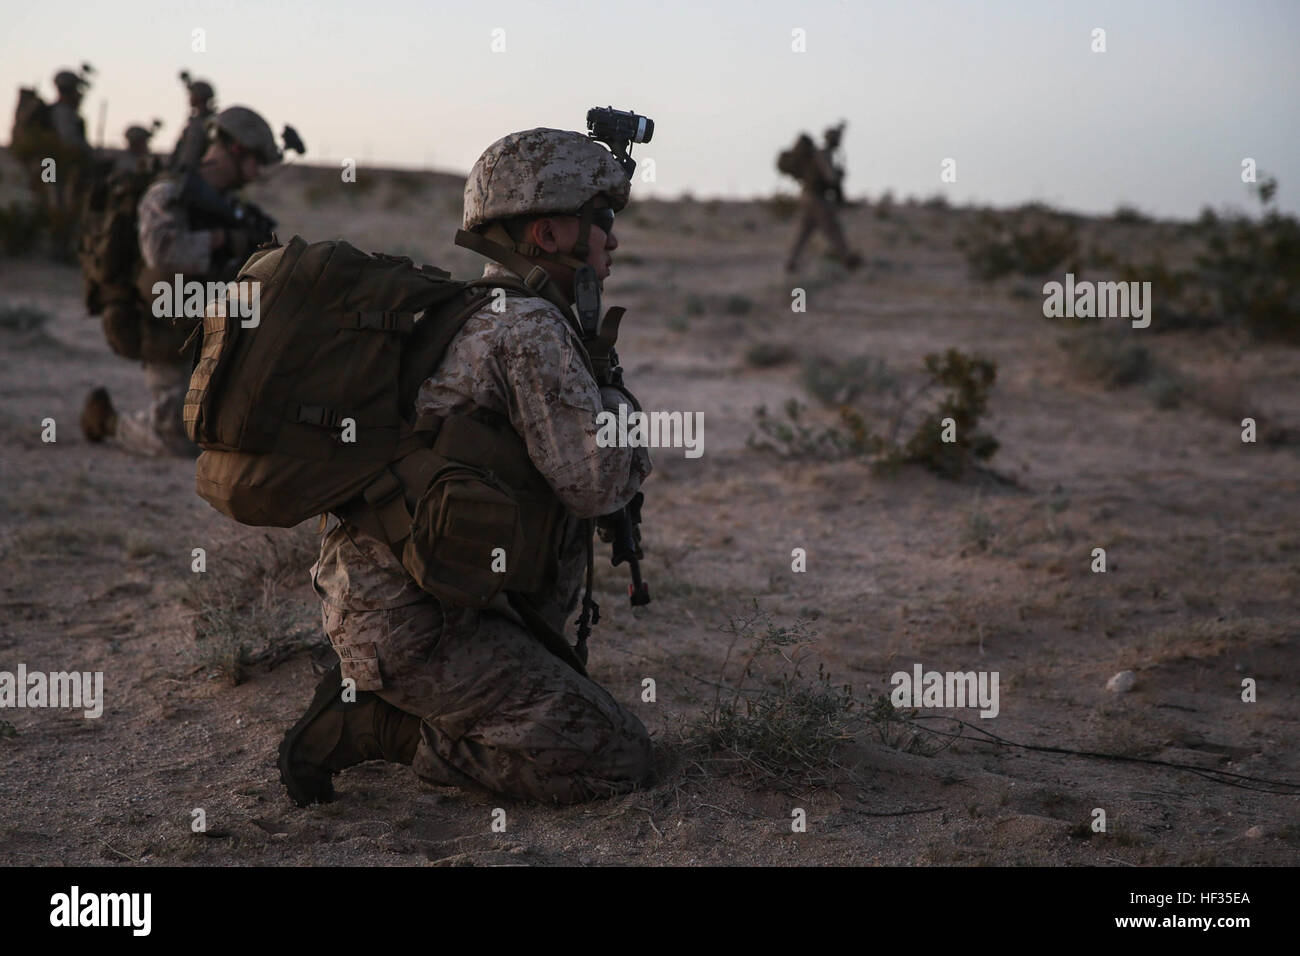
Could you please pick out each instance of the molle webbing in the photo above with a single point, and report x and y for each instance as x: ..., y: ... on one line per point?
x: 446, y: 507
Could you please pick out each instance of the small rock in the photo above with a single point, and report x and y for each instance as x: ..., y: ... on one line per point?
x: 1255, y: 832
x: 1122, y: 682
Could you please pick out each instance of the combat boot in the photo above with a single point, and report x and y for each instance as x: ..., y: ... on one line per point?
x: 333, y: 735
x: 98, y: 417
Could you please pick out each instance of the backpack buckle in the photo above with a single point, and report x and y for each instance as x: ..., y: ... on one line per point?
x: 382, y: 321
x: 536, y: 278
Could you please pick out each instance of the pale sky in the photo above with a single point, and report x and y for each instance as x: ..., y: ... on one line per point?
x: 1011, y: 90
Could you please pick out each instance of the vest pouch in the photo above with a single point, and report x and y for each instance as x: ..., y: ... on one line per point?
x: 462, y: 519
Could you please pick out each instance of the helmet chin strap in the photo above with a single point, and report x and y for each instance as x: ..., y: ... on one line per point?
x: 586, y: 286
x: 574, y: 260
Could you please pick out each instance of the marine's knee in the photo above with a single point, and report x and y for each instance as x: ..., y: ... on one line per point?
x: 618, y: 764
x: 625, y: 762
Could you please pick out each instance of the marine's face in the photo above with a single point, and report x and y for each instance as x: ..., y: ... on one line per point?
x: 601, y: 242
x: 250, y: 167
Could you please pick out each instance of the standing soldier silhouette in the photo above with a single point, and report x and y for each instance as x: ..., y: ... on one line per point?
x: 822, y: 191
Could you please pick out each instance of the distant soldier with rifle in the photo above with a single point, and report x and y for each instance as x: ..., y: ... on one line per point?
x: 193, y: 226
x: 822, y: 193
x: 65, y: 112
x: 49, y: 139
x: 194, y: 137
x: 496, y: 698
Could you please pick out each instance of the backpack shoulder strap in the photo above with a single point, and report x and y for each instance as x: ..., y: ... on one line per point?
x: 428, y: 343
x: 534, y: 278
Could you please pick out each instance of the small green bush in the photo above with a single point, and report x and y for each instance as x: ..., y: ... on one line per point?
x: 964, y: 382
x: 1029, y: 241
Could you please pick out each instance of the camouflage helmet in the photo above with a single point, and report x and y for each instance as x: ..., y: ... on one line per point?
x: 540, y: 171
x: 249, y: 130
x: 65, y: 81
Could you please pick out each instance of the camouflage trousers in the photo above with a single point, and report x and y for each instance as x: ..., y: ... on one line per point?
x: 816, y: 213
x: 498, y: 710
x: 159, y: 429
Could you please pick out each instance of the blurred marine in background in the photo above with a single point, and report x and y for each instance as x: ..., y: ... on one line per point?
x: 49, y: 139
x: 190, y: 229
x: 137, y: 157
x: 194, y: 137
x: 821, y: 193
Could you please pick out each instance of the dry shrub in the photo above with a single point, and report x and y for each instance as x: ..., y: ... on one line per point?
x: 1031, y: 241
x: 768, y: 722
x: 956, y: 387
x: 242, y: 607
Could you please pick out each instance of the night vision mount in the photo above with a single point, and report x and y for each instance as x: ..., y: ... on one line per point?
x: 619, y: 129
x: 292, y: 141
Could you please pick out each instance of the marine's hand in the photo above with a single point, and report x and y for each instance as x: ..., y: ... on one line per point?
x: 612, y: 396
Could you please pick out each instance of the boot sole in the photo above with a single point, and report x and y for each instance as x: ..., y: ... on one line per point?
x: 302, y: 791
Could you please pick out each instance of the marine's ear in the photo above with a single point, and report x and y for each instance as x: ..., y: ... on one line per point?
x: 543, y: 233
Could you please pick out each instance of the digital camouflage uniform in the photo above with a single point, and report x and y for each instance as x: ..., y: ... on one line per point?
x: 168, y: 246
x: 497, y: 709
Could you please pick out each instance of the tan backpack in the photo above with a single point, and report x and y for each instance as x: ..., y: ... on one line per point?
x: 109, y: 254
x: 32, y: 135
x: 308, y: 412
x: 797, y: 160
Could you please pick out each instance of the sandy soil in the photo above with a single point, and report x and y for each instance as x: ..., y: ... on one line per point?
x: 1201, y: 588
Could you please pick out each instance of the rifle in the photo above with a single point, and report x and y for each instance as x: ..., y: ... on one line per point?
x: 617, y: 129
x: 620, y: 529
x: 210, y: 209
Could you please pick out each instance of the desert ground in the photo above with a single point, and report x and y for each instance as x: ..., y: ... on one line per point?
x: 992, y: 572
